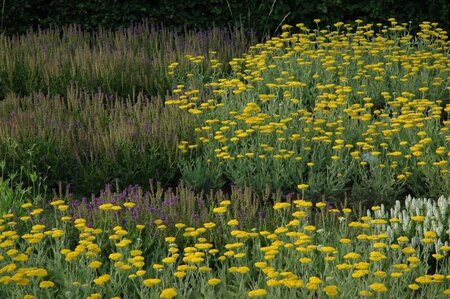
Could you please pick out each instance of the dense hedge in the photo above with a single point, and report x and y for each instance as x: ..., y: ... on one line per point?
x: 262, y: 16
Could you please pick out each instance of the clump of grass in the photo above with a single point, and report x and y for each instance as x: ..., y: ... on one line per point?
x: 124, y: 62
x: 89, y: 139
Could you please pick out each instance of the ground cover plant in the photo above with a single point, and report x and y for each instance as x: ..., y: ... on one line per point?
x: 357, y: 110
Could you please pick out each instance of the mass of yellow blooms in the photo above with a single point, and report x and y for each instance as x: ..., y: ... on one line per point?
x: 312, y: 250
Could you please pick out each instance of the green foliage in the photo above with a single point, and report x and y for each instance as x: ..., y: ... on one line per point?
x: 201, y: 174
x: 14, y: 192
x: 87, y: 140
x: 339, y: 110
x: 77, y: 101
x: 124, y: 63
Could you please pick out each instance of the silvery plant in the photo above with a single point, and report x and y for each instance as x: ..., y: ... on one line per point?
x: 404, y: 221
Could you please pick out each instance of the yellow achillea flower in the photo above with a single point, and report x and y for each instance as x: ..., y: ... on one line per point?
x: 281, y: 205
x: 180, y: 225
x: 157, y: 266
x: 380, y: 273
x: 321, y: 204
x: 151, y: 282
x: 430, y: 234
x: 408, y: 250
x: 303, y: 203
x: 299, y: 214
x: 305, y: 260
x: 331, y: 290
x: 36, y: 212
x: 345, y: 241
x: 344, y: 266
x: 352, y: 255
x: 402, y: 239
x: 257, y: 293
x: 241, y: 270
x: 170, y: 239
x: 168, y: 293
x: 45, y: 284
x: 233, y: 222
x: 327, y: 249
x: 225, y: 203
x: 106, y: 206
x: 63, y: 208
x: 418, y: 218
x: 220, y: 210
x: 437, y: 256
x: 115, y: 256
x: 94, y: 265
x: 378, y: 287
x: 141, y: 272
x: 56, y: 203
x: 292, y: 283
x: 101, y: 280
x: 413, y: 286
x: 169, y: 260
x: 214, y: 281
x: 129, y: 205
x: 209, y: 225
x: 302, y: 186
x: 310, y: 228
x: 38, y: 272
x: 376, y: 256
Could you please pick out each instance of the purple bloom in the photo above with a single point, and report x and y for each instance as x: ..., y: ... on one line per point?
x: 76, y: 203
x: 153, y: 210
x: 135, y: 213
x: 170, y: 202
x: 261, y: 215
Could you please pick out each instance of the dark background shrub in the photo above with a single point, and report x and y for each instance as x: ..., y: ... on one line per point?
x: 262, y: 16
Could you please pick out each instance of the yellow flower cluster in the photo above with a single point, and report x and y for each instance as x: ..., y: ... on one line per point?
x: 359, y: 96
x: 332, y: 257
